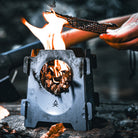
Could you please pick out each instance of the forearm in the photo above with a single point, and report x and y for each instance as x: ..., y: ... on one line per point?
x: 75, y: 36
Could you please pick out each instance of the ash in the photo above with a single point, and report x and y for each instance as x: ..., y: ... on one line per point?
x: 112, y: 120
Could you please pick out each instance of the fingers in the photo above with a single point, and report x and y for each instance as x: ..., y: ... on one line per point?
x: 122, y: 34
x: 126, y: 33
x: 133, y: 18
x: 108, y: 37
x: 132, y: 44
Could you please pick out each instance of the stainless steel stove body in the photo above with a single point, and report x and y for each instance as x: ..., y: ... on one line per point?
x: 75, y: 106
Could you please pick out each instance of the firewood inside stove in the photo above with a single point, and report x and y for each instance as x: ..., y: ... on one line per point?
x: 55, y: 80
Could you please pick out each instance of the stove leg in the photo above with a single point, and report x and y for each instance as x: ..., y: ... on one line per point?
x: 79, y: 126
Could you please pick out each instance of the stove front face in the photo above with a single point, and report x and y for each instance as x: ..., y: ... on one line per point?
x: 60, y: 89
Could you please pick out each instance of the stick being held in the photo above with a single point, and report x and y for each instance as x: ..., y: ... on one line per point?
x: 74, y: 36
x: 85, y: 25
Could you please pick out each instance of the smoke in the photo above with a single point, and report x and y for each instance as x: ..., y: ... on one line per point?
x: 104, y: 9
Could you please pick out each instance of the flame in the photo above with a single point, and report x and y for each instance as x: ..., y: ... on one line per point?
x: 51, y: 38
x: 50, y: 34
x: 59, y: 66
x: 3, y: 112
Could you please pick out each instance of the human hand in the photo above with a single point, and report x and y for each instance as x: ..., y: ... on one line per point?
x: 125, y: 37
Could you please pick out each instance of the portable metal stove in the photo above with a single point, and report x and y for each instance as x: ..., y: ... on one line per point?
x: 68, y: 98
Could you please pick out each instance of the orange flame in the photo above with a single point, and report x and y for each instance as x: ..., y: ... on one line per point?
x: 50, y: 37
x: 50, y: 34
x: 59, y: 67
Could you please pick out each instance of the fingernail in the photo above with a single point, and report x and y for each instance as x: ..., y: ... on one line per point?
x: 102, y: 36
x: 105, y: 36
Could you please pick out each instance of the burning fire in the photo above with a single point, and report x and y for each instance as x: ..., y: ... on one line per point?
x: 50, y: 34
x: 59, y: 67
x: 56, y: 77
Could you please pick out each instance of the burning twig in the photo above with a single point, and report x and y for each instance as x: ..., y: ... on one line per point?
x: 55, y: 131
x: 83, y: 24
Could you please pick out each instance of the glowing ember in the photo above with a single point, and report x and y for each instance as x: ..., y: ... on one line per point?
x: 59, y: 67
x: 55, y: 131
x: 3, y: 112
x: 56, y: 77
x: 50, y: 34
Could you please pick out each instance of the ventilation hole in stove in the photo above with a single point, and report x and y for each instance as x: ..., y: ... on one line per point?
x: 56, y: 76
